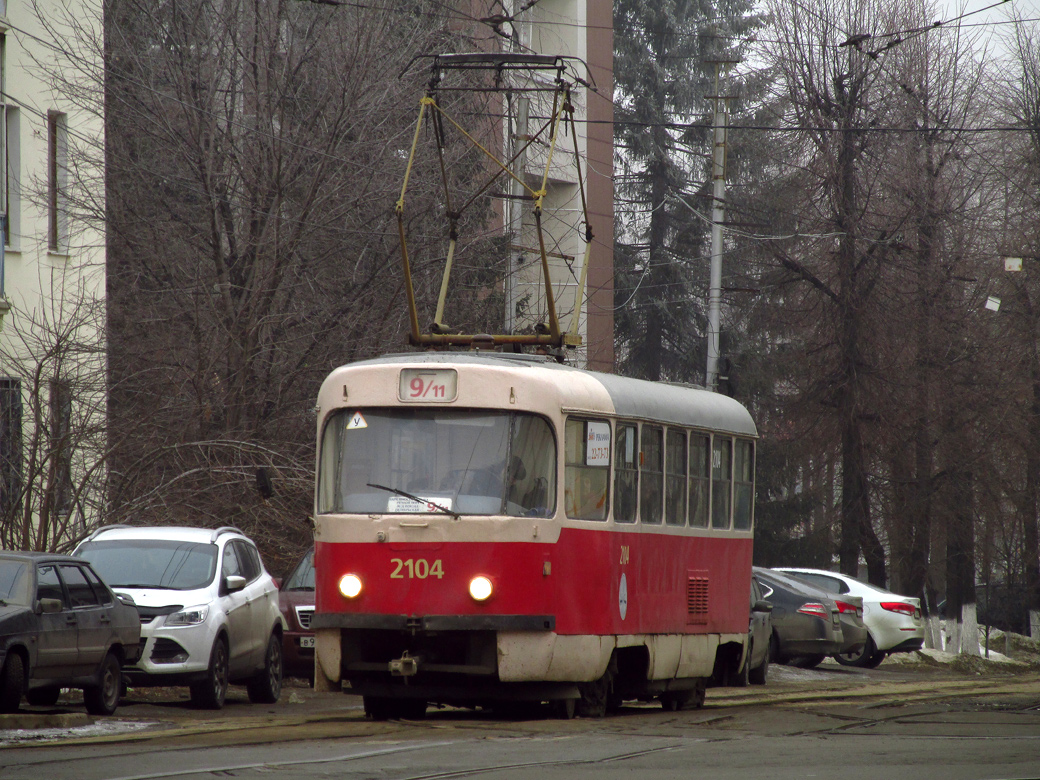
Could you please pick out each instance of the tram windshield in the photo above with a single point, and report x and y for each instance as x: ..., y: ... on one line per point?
x: 457, y: 462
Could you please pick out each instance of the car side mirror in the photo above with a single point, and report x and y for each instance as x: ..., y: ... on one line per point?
x: 762, y: 606
x: 234, y: 582
x: 49, y: 606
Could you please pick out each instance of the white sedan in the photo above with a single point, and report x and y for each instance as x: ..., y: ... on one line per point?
x: 893, y: 622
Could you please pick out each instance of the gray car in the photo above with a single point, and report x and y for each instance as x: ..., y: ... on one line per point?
x: 62, y: 627
x: 806, y: 621
x: 760, y: 629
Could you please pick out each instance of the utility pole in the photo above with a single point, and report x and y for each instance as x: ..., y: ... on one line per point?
x: 517, y: 140
x: 718, y: 174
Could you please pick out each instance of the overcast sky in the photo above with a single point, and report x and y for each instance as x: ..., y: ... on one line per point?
x: 992, y: 15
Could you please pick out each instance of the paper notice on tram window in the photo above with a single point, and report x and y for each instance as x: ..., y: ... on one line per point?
x: 404, y: 505
x: 597, y: 449
x: 356, y: 421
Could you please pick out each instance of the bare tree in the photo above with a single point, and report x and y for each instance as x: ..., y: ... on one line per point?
x: 55, y: 449
x: 255, y: 153
x: 1019, y: 96
x: 836, y: 93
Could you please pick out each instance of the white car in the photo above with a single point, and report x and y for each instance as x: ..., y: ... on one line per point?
x: 893, y: 622
x: 209, y: 610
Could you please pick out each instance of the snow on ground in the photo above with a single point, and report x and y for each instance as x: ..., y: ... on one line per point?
x: 99, y: 728
x: 1006, y: 652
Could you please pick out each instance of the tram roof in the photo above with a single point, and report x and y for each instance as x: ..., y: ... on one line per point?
x: 634, y: 398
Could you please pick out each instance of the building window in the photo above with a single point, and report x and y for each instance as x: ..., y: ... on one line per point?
x: 57, y: 181
x: 12, y: 181
x: 10, y: 446
x: 5, y: 153
x: 61, y: 447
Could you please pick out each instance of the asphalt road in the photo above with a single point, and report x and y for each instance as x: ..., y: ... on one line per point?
x: 893, y: 722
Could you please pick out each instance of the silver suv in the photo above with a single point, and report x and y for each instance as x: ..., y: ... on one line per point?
x: 209, y: 609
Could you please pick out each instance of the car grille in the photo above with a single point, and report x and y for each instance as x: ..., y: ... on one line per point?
x: 166, y: 651
x: 304, y: 614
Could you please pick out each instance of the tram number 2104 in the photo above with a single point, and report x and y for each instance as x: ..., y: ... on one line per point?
x: 416, y: 569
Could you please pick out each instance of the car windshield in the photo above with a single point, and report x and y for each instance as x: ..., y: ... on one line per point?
x: 302, y: 577
x: 152, y: 563
x: 15, y: 586
x: 455, y: 462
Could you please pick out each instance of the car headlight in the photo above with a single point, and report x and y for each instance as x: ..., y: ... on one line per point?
x: 192, y: 616
x: 350, y: 585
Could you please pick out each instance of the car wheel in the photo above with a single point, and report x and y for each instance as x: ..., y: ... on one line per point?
x: 861, y: 658
x: 43, y: 697
x: 266, y: 686
x: 12, y: 683
x: 209, y: 694
x: 102, y: 698
x: 807, y: 661
x: 757, y: 676
x: 875, y: 660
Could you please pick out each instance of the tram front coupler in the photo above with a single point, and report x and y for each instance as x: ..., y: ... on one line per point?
x: 405, y: 666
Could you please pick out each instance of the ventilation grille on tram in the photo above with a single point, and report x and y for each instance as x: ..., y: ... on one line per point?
x: 697, y: 600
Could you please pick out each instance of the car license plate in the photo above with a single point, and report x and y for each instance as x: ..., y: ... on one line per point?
x: 306, y: 641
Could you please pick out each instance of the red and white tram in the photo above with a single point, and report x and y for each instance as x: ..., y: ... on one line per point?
x: 498, y: 527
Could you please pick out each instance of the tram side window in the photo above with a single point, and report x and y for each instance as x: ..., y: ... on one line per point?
x: 626, y: 473
x: 721, y: 479
x: 743, y: 483
x: 531, y: 478
x: 587, y: 467
x: 700, y: 479
x: 651, y: 476
x: 675, y: 477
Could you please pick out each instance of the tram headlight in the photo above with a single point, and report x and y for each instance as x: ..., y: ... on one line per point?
x: 350, y: 585
x: 480, y: 588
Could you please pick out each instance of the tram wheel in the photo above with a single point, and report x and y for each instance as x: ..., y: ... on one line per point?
x: 563, y: 709
x: 595, y: 697
x: 690, y: 699
x: 385, y: 708
x: 671, y: 702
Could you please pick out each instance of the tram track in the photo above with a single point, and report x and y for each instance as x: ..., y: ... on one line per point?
x: 901, y: 692
x: 993, y: 717
x: 230, y: 768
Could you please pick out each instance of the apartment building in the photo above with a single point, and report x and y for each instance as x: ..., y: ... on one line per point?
x: 581, y: 30
x: 52, y: 271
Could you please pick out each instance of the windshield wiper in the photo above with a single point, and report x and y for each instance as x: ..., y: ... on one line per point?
x: 414, y: 497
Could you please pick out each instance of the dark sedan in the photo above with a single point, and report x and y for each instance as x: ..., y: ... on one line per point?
x: 806, y: 621
x: 61, y: 627
x: 296, y: 600
x: 756, y: 661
